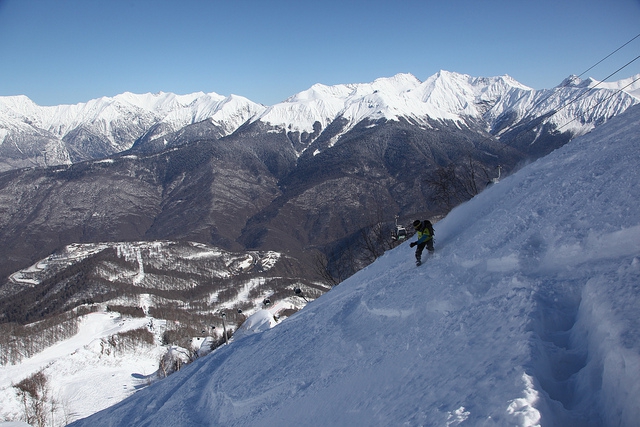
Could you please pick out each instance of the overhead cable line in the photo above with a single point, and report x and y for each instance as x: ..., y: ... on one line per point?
x: 601, y: 101
x: 591, y: 88
x: 606, y: 57
x: 566, y: 81
x: 554, y: 112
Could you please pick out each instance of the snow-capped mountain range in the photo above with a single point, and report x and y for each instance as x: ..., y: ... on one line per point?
x: 104, y: 126
x: 32, y: 135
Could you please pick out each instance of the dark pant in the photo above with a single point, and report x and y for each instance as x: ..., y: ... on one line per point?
x: 420, y: 248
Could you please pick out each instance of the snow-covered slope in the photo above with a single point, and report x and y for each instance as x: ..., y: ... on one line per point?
x: 86, y: 373
x: 155, y: 282
x: 526, y: 315
x: 630, y: 85
x: 83, y: 370
x: 579, y: 105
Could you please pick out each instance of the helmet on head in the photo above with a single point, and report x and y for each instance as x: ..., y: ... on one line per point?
x: 416, y: 223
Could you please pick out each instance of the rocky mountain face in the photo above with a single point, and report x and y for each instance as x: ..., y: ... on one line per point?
x: 195, y: 193
x: 317, y: 172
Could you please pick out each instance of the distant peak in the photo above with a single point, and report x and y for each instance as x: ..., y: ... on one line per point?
x: 575, y: 81
x: 451, y: 74
x: 401, y: 77
x: 513, y: 82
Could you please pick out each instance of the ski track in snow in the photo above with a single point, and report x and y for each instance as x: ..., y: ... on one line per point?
x: 82, y: 378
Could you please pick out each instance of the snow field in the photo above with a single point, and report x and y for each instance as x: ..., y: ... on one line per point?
x: 81, y: 376
x: 526, y: 316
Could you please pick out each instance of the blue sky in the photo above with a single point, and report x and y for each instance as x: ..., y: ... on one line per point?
x: 71, y: 51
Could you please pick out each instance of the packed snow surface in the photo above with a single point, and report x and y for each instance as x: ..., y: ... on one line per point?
x: 526, y: 315
x: 83, y: 377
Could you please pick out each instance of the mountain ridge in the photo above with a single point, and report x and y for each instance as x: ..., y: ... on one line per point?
x: 31, y: 135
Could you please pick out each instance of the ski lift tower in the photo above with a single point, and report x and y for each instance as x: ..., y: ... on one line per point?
x: 224, y: 327
x: 497, y: 180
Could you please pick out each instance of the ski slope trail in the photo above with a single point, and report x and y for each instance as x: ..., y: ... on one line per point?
x: 525, y: 316
x: 81, y: 373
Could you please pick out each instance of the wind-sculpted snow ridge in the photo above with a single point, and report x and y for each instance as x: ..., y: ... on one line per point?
x: 526, y: 315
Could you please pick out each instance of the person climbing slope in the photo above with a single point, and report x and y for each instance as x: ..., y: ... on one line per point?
x: 425, y: 238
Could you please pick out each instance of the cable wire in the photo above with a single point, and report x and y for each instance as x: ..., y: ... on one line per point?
x: 591, y: 88
x: 566, y: 81
x: 601, y: 101
x: 606, y: 57
x: 554, y: 112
